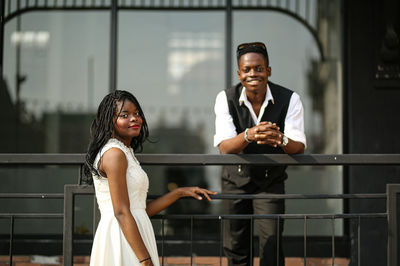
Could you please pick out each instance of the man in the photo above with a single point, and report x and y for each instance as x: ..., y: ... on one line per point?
x: 256, y: 116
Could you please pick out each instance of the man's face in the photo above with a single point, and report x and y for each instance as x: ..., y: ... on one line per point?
x: 253, y: 72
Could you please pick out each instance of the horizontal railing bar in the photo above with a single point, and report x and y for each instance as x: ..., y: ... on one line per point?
x: 32, y: 215
x: 271, y: 216
x: 198, y: 242
x: 213, y: 159
x: 219, y: 196
x: 31, y: 196
x: 270, y: 159
x: 290, y: 196
x: 201, y: 241
x: 41, y: 159
x: 216, y: 216
x: 300, y: 196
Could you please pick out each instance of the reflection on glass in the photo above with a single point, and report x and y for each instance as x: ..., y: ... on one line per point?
x: 175, y: 72
x: 174, y: 62
x: 55, y: 73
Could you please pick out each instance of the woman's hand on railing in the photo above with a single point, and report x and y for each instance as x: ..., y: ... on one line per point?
x: 195, y: 192
x: 166, y: 200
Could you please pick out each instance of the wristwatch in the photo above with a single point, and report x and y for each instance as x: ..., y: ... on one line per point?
x: 285, y: 141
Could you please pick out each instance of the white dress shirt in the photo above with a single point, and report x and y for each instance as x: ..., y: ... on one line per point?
x: 225, y: 128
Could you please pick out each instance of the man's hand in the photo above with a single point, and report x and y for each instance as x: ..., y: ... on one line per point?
x: 265, y: 133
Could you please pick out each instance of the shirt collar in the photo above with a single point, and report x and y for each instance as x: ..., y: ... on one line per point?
x: 243, y: 96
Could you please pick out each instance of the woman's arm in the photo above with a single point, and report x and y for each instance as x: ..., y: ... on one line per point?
x: 114, y: 165
x: 166, y: 200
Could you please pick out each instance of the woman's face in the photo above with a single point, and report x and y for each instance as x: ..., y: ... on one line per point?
x: 127, y: 122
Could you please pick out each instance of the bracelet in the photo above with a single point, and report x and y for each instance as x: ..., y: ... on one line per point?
x: 245, y: 136
x: 149, y: 258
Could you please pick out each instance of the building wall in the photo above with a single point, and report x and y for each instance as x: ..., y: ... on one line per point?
x: 371, y: 118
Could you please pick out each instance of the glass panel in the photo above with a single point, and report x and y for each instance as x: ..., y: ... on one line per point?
x: 296, y: 64
x: 175, y: 67
x: 56, y: 71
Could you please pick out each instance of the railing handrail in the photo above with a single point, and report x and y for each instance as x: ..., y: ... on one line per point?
x: 210, y: 159
x: 219, y: 196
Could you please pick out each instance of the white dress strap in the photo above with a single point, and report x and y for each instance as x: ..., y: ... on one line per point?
x: 112, y: 143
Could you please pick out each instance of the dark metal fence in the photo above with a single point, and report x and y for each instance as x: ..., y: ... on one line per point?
x: 70, y: 191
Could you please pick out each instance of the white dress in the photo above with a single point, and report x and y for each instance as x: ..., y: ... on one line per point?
x: 110, y: 247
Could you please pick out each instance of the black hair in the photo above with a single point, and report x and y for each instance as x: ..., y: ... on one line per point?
x: 102, y: 127
x: 252, y: 49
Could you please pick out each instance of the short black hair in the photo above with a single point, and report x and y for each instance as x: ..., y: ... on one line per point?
x: 253, y: 47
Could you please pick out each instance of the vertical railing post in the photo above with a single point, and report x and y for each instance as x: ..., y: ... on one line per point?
x: 251, y: 240
x: 221, y: 238
x: 2, y: 6
x: 11, y: 238
x: 68, y: 225
x: 359, y: 241
x: 69, y: 203
x: 162, y: 240
x: 113, y: 45
x: 305, y: 239
x: 278, y: 235
x: 333, y: 240
x: 228, y: 44
x: 392, y: 192
x: 191, y: 240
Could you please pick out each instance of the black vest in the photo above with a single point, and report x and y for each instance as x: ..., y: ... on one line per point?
x: 275, y: 112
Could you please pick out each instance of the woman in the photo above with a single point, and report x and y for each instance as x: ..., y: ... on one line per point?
x: 124, y: 235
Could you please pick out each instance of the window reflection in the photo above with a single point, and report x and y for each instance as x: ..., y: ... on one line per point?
x: 174, y: 62
x: 55, y: 73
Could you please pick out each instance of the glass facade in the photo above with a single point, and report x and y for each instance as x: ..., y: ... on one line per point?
x: 56, y: 71
x: 62, y: 60
x: 175, y: 69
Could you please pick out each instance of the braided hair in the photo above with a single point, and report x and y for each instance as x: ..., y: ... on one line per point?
x: 102, y: 128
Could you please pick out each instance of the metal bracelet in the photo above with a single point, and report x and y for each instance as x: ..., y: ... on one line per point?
x: 245, y: 136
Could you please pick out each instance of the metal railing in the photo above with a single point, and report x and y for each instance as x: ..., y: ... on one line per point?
x: 70, y: 191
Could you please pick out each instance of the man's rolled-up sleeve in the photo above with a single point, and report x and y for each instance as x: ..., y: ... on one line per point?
x: 294, y: 122
x: 224, y: 126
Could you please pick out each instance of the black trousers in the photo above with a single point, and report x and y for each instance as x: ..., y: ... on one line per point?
x: 237, y: 232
